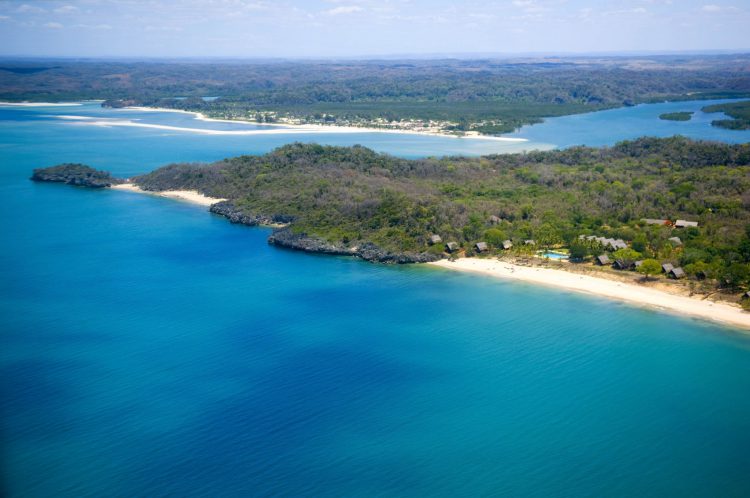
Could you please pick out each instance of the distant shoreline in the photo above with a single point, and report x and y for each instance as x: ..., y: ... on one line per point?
x: 317, y: 128
x: 641, y: 295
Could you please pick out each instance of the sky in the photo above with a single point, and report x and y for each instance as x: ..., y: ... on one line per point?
x: 367, y: 28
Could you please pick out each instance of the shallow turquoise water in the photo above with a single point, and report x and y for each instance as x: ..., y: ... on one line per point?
x: 608, y: 127
x: 148, y: 348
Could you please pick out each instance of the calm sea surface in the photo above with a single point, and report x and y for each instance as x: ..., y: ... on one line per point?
x: 148, y: 348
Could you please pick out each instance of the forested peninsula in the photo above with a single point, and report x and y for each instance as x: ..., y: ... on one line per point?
x: 739, y: 112
x: 680, y: 202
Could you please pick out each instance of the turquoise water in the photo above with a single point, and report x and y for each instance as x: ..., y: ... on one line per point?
x: 148, y: 348
x: 608, y: 127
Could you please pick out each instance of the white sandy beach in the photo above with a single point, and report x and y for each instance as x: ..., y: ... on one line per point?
x: 183, y: 195
x: 724, y: 313
x: 40, y: 104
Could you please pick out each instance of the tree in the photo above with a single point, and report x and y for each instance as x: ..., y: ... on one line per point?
x: 578, y: 251
x: 649, y: 267
x: 494, y: 237
x: 735, y: 276
x: 626, y: 254
x: 640, y: 243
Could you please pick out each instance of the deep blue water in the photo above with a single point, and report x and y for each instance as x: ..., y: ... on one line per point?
x: 148, y: 348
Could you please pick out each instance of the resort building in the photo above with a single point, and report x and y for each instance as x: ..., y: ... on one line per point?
x: 481, y: 246
x: 607, y: 243
x: 451, y: 246
x: 435, y: 239
x: 654, y: 221
x: 685, y: 224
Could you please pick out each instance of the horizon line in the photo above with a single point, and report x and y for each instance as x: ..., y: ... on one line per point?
x: 394, y: 56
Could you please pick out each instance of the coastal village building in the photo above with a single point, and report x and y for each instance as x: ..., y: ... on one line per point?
x: 451, y: 246
x: 667, y: 267
x: 481, y: 247
x: 530, y: 242
x: 602, y: 260
x: 435, y: 239
x: 507, y: 244
x: 675, y: 241
x: 494, y: 220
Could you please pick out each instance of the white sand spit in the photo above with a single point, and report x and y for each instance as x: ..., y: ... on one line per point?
x: 183, y: 195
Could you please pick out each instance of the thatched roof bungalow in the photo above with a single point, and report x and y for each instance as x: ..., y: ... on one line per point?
x: 677, y: 273
x: 507, y: 244
x: 435, y: 239
x: 451, y: 246
x: 623, y: 264
x: 481, y: 247
x: 602, y: 260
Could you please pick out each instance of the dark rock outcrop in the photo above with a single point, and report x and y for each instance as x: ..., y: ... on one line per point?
x: 228, y: 210
x: 75, y: 174
x: 121, y: 103
x: 286, y: 238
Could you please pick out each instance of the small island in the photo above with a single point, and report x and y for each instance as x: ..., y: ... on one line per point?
x: 75, y: 174
x: 738, y: 111
x: 676, y: 116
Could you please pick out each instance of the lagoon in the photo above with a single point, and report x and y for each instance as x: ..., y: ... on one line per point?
x: 148, y: 348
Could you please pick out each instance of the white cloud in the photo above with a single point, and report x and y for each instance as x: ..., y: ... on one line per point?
x: 712, y: 7
x: 29, y: 9
x: 163, y: 28
x: 53, y: 25
x: 66, y: 9
x: 93, y: 26
x: 344, y: 9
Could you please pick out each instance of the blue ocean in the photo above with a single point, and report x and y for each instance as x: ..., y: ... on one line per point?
x: 149, y: 348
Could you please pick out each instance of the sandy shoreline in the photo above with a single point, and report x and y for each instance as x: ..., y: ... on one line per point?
x: 182, y: 195
x: 40, y: 104
x: 723, y: 313
x: 313, y: 128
